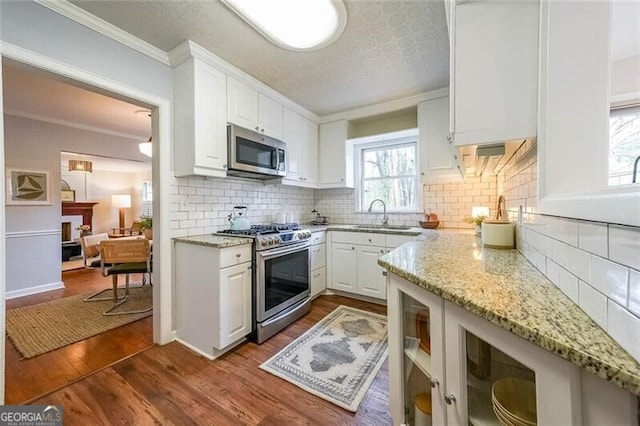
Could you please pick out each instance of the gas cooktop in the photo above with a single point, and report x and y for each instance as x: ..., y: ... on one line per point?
x: 273, y: 235
x: 257, y: 230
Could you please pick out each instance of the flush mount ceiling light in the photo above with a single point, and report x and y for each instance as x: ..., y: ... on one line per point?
x: 146, y: 148
x: 294, y: 24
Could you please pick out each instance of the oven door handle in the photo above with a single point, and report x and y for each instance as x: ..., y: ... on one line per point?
x: 267, y: 254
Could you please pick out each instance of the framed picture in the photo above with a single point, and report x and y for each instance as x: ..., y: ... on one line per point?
x: 68, y: 195
x: 28, y: 187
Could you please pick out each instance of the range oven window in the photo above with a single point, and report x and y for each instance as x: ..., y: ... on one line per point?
x: 285, y: 278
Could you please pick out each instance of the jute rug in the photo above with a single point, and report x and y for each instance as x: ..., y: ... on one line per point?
x: 41, y: 328
x: 338, y: 358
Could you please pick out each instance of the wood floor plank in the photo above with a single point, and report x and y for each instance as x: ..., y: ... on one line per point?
x: 26, y: 379
x: 170, y: 384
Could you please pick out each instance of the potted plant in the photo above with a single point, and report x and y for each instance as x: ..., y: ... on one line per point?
x: 147, y: 226
x: 477, y: 222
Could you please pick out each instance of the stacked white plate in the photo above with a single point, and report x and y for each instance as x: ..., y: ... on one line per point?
x: 514, y: 402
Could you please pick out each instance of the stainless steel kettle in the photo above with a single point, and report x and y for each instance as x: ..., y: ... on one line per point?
x: 238, y: 219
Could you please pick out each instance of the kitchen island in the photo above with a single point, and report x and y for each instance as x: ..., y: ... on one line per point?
x: 504, y: 289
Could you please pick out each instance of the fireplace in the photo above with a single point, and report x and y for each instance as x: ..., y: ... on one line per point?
x: 84, y: 209
x: 66, y: 231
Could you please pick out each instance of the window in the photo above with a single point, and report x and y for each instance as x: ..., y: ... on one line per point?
x: 388, y: 171
x: 624, y: 143
x: 146, y: 206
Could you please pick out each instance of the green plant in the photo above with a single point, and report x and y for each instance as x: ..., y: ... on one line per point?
x: 146, y: 222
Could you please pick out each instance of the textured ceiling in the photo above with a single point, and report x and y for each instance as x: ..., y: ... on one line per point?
x: 389, y: 49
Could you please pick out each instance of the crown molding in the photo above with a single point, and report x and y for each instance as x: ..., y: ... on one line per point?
x: 385, y: 107
x: 189, y: 49
x: 59, y: 122
x: 81, y: 16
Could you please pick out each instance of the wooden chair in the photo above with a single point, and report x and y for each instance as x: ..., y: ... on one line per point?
x: 135, y: 229
x: 127, y: 257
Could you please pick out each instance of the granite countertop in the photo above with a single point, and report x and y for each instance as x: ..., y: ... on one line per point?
x: 502, y: 287
x: 212, y: 240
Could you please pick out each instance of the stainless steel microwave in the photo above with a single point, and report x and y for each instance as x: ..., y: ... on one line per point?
x: 254, y: 155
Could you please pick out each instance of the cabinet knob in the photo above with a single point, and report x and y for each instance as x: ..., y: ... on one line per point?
x: 262, y: 130
x: 449, y: 398
x: 238, y: 254
x: 382, y: 251
x: 434, y: 383
x: 224, y: 166
x: 369, y: 239
x: 257, y: 128
x: 384, y: 273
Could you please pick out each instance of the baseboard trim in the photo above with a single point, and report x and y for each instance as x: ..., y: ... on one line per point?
x: 34, y: 290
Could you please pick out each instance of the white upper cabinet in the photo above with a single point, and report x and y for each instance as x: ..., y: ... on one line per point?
x: 310, y: 152
x: 200, y: 146
x: 301, y: 137
x: 250, y: 109
x: 292, y: 136
x: 574, y: 104
x: 335, y: 169
x: 494, y: 70
x: 437, y: 153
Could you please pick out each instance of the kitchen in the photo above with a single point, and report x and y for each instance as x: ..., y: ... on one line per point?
x: 188, y: 215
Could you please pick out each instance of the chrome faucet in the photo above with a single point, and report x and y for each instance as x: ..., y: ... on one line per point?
x: 385, y: 218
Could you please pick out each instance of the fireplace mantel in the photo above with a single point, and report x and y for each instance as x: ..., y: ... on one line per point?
x: 84, y: 209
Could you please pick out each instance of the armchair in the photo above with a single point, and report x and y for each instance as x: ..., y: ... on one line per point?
x: 135, y: 229
x: 90, y: 245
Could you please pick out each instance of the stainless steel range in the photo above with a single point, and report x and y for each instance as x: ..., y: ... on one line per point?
x: 281, y: 280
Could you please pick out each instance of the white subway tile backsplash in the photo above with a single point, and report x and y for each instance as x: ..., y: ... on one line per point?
x: 624, y: 245
x: 559, y: 252
x: 579, y: 263
x: 624, y: 327
x: 565, y: 230
x: 568, y: 283
x: 593, y: 238
x: 553, y: 272
x: 610, y: 278
x: 634, y: 292
x: 594, y: 304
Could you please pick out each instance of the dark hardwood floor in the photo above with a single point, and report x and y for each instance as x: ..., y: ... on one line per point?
x: 26, y: 379
x: 172, y: 385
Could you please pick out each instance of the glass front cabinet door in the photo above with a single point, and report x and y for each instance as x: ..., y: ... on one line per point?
x: 448, y: 366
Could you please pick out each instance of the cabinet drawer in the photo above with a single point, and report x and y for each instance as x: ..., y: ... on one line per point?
x: 359, y: 238
x: 235, y: 255
x: 318, y: 256
x: 394, y: 241
x: 318, y: 237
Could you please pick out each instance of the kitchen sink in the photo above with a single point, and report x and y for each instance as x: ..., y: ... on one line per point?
x: 391, y: 227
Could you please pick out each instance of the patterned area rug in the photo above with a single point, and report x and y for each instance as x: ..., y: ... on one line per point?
x: 338, y: 358
x: 41, y: 328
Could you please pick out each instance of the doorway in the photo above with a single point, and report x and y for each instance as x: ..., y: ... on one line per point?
x: 161, y: 130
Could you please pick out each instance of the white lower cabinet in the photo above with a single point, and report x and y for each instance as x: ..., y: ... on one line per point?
x: 318, y: 263
x: 213, y: 293
x: 444, y: 363
x: 343, y: 261
x: 371, y: 280
x: 354, y: 261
